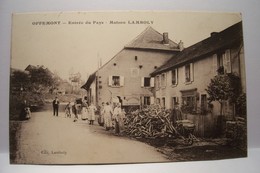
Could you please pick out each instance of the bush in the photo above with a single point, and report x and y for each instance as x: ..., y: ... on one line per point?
x: 35, y: 100
x: 241, y: 105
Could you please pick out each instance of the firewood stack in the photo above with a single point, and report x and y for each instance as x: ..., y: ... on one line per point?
x: 151, y: 122
x: 236, y: 132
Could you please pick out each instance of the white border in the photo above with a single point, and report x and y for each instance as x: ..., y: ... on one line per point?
x: 251, y: 17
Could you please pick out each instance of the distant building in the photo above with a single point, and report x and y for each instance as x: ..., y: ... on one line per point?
x: 126, y: 77
x: 184, y: 78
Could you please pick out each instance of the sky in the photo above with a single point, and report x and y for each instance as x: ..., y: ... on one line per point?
x: 74, y: 42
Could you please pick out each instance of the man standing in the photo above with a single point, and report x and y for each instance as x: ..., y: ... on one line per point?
x: 55, y: 105
x: 176, y: 114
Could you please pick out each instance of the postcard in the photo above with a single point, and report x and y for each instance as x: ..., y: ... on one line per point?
x: 122, y: 87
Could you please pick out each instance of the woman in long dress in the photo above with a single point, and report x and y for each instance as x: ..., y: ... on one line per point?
x: 107, y: 112
x: 84, y: 110
x: 119, y: 117
x: 91, y: 114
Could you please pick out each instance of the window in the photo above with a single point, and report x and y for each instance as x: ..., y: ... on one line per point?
x: 224, y: 63
x: 147, y: 82
x: 116, y: 81
x: 163, y: 102
x: 174, y: 77
x: 163, y: 80
x: 189, y: 101
x: 147, y: 101
x: 220, y: 63
x: 189, y: 72
x: 174, y: 101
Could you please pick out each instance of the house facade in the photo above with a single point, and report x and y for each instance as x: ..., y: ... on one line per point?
x: 126, y: 77
x: 185, y: 77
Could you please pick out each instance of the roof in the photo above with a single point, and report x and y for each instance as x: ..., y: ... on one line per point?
x: 218, y: 41
x: 151, y: 39
x: 91, y: 78
x: 30, y: 67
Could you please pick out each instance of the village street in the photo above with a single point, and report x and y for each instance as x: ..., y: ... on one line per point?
x: 47, y: 139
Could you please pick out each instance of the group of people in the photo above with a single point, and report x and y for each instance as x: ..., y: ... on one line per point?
x: 113, y: 118
x: 109, y: 117
x: 81, y: 108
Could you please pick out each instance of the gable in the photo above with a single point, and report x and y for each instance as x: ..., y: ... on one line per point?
x: 152, y: 39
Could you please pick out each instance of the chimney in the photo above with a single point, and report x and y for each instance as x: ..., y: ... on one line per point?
x: 165, y: 38
x: 213, y: 34
x: 180, y: 45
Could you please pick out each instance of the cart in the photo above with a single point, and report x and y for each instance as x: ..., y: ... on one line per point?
x: 185, y: 128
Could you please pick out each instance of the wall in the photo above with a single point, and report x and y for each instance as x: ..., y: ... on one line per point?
x: 125, y: 62
x: 204, y: 71
x: 92, y: 93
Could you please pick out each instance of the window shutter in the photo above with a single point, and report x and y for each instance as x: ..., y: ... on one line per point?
x: 184, y: 72
x: 176, y: 75
x: 110, y: 81
x: 152, y: 100
x: 191, y: 72
x: 158, y: 82
x: 152, y: 82
x: 228, y: 61
x: 224, y: 62
x: 215, y: 64
x: 122, y: 80
x: 142, y: 82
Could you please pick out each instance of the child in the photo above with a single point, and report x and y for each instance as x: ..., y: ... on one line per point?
x: 68, y: 110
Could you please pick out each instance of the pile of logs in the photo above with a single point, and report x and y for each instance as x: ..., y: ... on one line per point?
x: 236, y: 132
x: 151, y: 122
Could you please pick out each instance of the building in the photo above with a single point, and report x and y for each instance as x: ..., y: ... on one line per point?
x: 184, y: 78
x: 126, y: 77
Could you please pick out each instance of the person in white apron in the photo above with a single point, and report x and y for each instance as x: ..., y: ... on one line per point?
x: 91, y: 114
x: 84, y: 110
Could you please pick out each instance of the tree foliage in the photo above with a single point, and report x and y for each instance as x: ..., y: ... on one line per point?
x: 19, y: 79
x: 37, y: 80
x: 224, y: 87
x: 241, y: 107
x: 30, y: 86
x: 41, y: 76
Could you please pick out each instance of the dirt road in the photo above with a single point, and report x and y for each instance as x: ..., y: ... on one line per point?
x: 46, y: 139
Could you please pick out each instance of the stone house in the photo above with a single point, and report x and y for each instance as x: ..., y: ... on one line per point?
x: 126, y: 77
x: 184, y: 78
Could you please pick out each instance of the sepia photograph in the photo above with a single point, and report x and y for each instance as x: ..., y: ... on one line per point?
x: 127, y: 87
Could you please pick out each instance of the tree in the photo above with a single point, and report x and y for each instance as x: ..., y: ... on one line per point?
x: 224, y: 87
x: 19, y: 80
x: 41, y: 80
